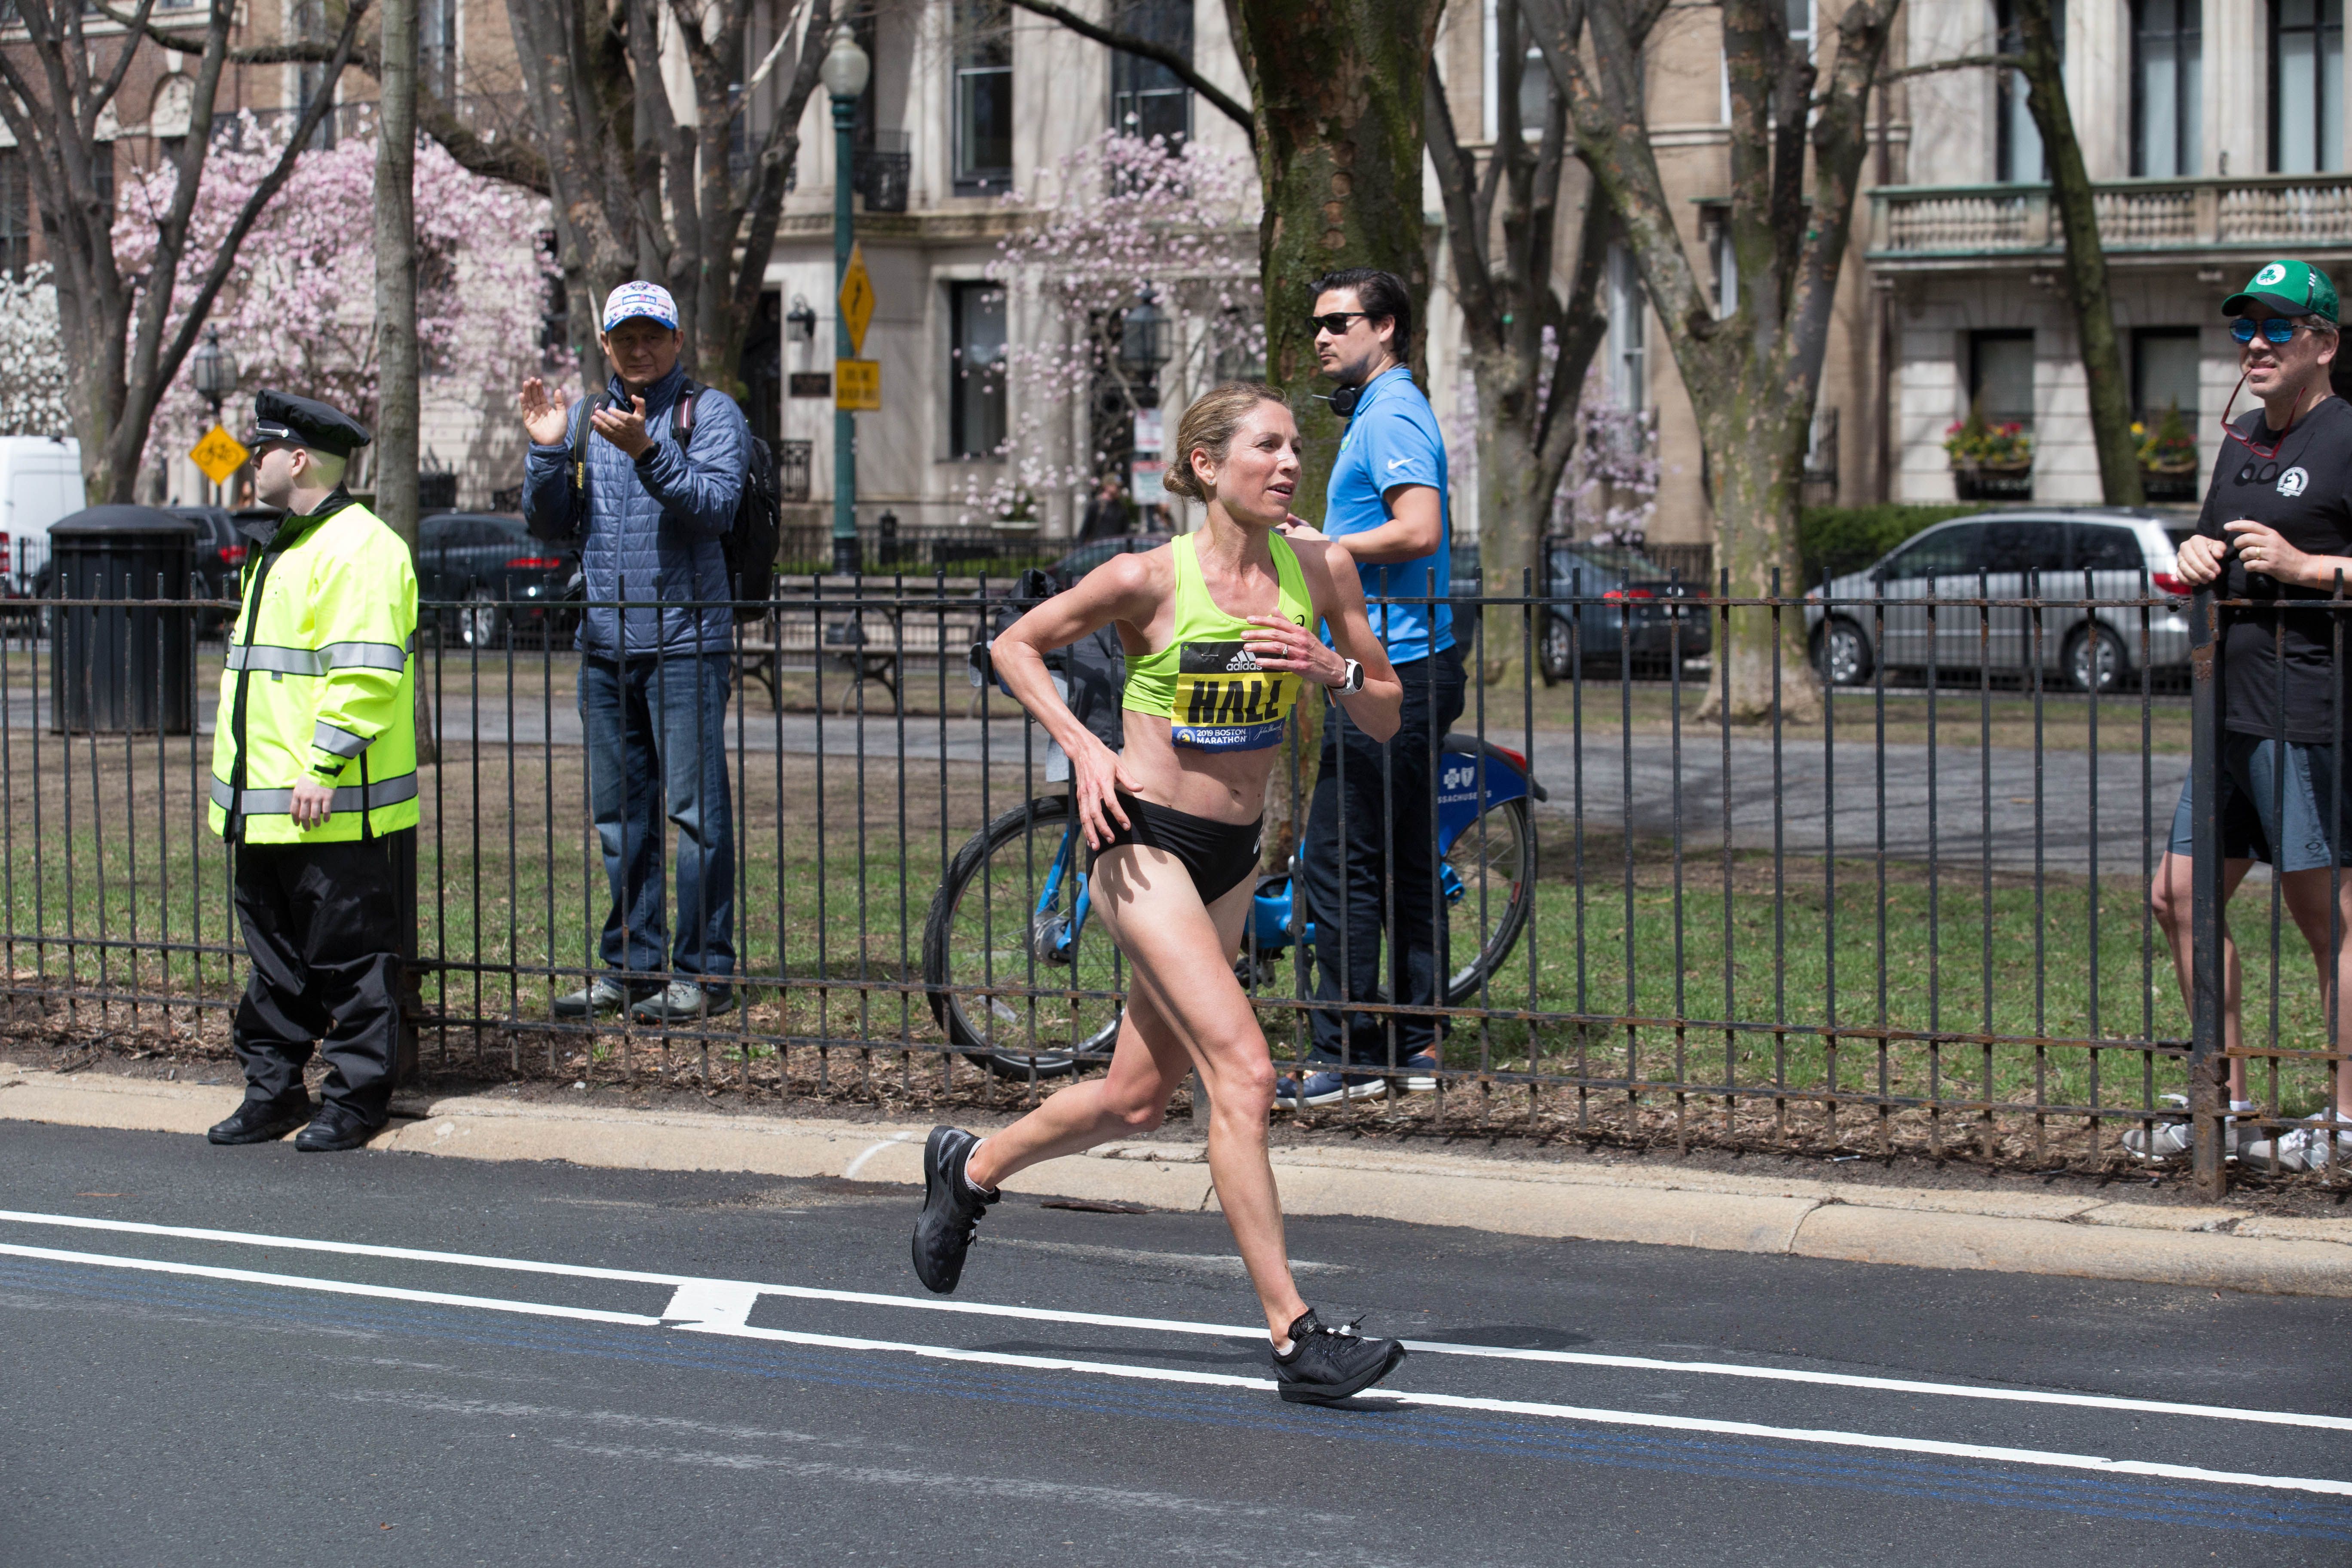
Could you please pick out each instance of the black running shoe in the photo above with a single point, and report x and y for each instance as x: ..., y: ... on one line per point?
x: 951, y: 1209
x: 1328, y: 1365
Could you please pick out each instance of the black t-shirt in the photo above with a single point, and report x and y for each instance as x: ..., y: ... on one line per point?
x: 2304, y: 491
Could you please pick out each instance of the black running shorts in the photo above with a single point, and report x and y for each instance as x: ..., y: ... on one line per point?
x: 1218, y: 855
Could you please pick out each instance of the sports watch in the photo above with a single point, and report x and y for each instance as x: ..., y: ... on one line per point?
x: 1351, y: 682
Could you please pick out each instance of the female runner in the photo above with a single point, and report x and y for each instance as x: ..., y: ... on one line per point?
x: 1219, y: 629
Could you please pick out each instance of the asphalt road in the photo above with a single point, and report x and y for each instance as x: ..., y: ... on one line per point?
x: 178, y: 1398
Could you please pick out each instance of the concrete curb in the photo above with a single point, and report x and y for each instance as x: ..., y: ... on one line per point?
x: 2031, y: 1233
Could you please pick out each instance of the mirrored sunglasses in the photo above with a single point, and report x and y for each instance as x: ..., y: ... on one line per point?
x: 2275, y: 329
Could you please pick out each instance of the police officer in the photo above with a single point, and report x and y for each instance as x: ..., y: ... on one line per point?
x: 314, y: 767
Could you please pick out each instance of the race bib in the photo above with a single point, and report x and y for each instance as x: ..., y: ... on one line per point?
x: 1224, y: 702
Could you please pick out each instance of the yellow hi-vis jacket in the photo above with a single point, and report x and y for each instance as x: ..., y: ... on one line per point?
x: 321, y: 682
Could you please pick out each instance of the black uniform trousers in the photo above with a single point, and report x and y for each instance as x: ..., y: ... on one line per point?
x: 1369, y: 839
x: 321, y: 925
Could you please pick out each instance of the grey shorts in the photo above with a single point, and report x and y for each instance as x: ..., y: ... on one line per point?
x: 2256, y: 814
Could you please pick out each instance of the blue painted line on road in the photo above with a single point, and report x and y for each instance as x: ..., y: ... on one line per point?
x: 2119, y: 1498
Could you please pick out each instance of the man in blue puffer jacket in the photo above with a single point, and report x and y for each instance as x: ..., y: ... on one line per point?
x: 654, y: 677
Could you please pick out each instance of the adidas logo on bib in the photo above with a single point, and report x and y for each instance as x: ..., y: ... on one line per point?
x: 1243, y: 659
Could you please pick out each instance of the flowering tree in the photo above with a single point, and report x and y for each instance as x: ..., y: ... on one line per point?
x: 300, y: 305
x: 1128, y: 220
x: 32, y: 356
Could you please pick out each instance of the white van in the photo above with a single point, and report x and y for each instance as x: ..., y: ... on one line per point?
x: 40, y: 482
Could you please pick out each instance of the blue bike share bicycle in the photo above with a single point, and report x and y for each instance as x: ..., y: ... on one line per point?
x: 1013, y: 915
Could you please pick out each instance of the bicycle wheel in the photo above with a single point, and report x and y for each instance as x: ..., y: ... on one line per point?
x: 1490, y: 885
x: 1001, y: 923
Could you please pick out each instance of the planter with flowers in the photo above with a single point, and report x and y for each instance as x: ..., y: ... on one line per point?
x: 1990, y: 462
x: 2167, y: 459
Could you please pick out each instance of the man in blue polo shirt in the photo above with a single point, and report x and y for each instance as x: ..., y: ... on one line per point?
x: 1365, y: 861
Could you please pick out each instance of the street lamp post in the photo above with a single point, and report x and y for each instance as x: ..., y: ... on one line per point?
x: 215, y: 373
x: 844, y: 74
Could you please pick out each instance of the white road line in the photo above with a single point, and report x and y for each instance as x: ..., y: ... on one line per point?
x: 332, y: 1287
x: 1819, y: 1435
x: 732, y: 1292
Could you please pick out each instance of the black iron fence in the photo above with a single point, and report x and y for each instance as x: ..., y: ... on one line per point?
x: 1708, y: 906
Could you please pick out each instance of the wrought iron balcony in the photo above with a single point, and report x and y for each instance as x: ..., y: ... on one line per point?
x: 1952, y: 228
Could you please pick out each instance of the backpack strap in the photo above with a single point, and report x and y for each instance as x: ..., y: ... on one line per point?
x: 681, y: 414
x: 580, y: 448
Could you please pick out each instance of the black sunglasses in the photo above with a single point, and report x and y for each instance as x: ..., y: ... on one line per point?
x: 1336, y: 322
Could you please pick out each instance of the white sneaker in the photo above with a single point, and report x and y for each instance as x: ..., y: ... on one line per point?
x: 2304, y: 1148
x: 2170, y: 1140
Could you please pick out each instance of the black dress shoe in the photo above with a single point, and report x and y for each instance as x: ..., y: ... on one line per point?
x: 333, y: 1130
x: 259, y: 1120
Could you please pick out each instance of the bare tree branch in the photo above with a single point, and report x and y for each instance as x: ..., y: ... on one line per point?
x: 1176, y: 61
x: 514, y: 161
x: 1956, y: 63
x: 152, y: 371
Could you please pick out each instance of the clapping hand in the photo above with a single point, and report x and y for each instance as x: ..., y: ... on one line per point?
x: 626, y: 428
x: 543, y: 415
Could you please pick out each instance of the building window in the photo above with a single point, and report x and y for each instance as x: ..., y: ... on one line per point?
x: 15, y: 215
x: 2000, y: 375
x: 1628, y: 331
x: 2165, y: 371
x: 2168, y: 58
x: 976, y: 369
x: 437, y: 51
x: 1145, y: 99
x: 307, y: 20
x: 2017, y: 141
x: 1534, y: 80
x: 2306, y: 85
x: 983, y: 96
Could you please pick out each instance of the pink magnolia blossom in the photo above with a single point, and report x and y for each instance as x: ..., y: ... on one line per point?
x: 1120, y: 218
x: 298, y: 311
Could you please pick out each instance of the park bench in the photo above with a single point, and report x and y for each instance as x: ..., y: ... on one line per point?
x: 868, y: 645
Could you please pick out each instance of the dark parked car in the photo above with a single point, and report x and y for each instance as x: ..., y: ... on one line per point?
x: 1620, y: 606
x: 484, y: 576
x: 222, y: 542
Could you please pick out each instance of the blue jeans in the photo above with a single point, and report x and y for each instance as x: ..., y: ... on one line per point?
x: 658, y: 733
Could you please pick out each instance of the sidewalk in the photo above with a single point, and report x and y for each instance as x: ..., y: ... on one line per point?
x: 2079, y: 1234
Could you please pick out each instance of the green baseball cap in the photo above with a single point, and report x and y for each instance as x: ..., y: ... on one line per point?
x: 2289, y: 287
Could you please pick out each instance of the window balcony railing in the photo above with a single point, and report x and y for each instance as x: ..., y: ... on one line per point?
x: 1928, y: 227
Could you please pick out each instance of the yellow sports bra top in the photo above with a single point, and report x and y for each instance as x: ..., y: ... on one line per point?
x: 1205, y: 680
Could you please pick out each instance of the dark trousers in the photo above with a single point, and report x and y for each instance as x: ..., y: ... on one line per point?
x: 322, y: 927
x: 1368, y: 857
x: 657, y: 746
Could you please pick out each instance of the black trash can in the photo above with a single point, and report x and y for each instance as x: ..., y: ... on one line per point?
x: 130, y: 668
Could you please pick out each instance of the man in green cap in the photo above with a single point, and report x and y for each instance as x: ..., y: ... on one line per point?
x: 2276, y: 529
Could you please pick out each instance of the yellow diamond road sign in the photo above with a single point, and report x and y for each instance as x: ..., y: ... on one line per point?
x: 857, y: 384
x: 219, y: 455
x: 857, y: 298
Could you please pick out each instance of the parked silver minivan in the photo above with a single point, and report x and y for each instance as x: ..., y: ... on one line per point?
x: 2023, y: 553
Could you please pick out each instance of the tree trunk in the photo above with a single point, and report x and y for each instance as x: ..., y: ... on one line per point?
x: 1761, y: 663
x: 1514, y: 494
x: 1338, y: 87
x: 2086, y: 262
x: 396, y: 417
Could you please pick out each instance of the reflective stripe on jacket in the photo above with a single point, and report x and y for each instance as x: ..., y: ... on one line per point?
x: 321, y: 682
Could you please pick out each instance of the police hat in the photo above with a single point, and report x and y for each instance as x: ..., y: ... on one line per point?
x: 322, y: 427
